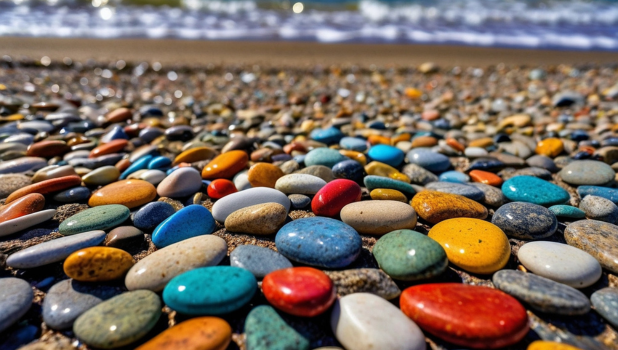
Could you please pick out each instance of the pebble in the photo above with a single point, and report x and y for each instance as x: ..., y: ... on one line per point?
x: 353, y: 143
x: 97, y: 264
x: 474, y: 245
x: 349, y: 169
x: 119, y: 321
x: 365, y: 280
x: 378, y: 217
x: 324, y: 156
x: 550, y: 147
x: 73, y: 195
x: 264, y: 175
x: 101, y: 176
x: 193, y: 155
x: 201, y: 333
x: 155, y: 270
x: 149, y: 216
x: 139, y: 164
x: 259, y: 219
x: 299, y: 201
x: 113, y: 146
x: 605, y: 302
x: 525, y: 220
x: 567, y: 211
x: 188, y: 222
x: 181, y: 183
x: 432, y: 161
x: 357, y: 326
x: 259, y: 261
x: 544, y: 162
x: 390, y: 155
x: 587, y: 172
x: 385, y: 194
x: 12, y: 182
x: 372, y: 182
x: 266, y: 330
x: 335, y: 195
x: 599, y: 208
x: 220, y: 188
x: 470, y: 192
x: 23, y: 222
x: 605, y: 192
x: 191, y: 293
x: 68, y: 299
x: 323, y: 172
x: 253, y: 196
x: 409, y: 255
x: 15, y: 300
x: 561, y: 263
x: 299, y: 291
x: 434, y: 206
x: 319, y: 241
x: 130, y: 193
x: 124, y: 237
x: 597, y: 238
x: 465, y: 315
x: 22, y: 165
x: 454, y: 176
x: 45, y: 187
x: 328, y: 136
x: 486, y: 177
x: 98, y: 218
x: 534, y: 190
x: 299, y: 184
x: 550, y: 345
x: 27, y: 204
x: 542, y: 294
x: 418, y: 175
x: 226, y: 165
x: 493, y: 196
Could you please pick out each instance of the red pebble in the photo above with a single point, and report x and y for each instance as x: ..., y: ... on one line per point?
x: 300, y: 291
x: 465, y: 315
x: 331, y: 198
x: 220, y: 188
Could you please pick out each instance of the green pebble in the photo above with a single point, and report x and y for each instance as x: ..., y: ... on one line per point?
x: 567, y: 211
x: 98, y: 218
x: 373, y: 181
x: 265, y: 330
x: 409, y: 255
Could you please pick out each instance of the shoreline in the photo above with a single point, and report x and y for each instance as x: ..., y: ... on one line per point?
x: 285, y: 53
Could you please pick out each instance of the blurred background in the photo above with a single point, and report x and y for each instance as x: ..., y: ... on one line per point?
x: 558, y: 24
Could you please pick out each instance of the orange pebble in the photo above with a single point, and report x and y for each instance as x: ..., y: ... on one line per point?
x: 48, y: 149
x: 264, y: 175
x: 98, y: 264
x: 377, y: 140
x: 45, y: 187
x: 401, y: 137
x: 130, y: 193
x: 113, y: 146
x: 226, y: 165
x: 202, y: 333
x: 486, y: 177
x: 550, y: 147
x: 424, y: 141
x: 454, y: 144
x: 357, y: 156
x: 123, y: 165
x: 195, y: 155
x: 25, y: 205
x: 118, y: 115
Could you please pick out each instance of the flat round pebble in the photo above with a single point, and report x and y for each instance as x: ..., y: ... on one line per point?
x: 597, y: 238
x: 101, y: 176
x: 225, y: 165
x: 605, y: 302
x: 192, y: 292
x: 534, y: 190
x: 130, y: 193
x: 319, y: 241
x: 220, y: 188
x: 299, y: 201
x: 324, y: 156
x: 429, y: 160
x: 299, y: 184
x: 561, y: 263
x: 390, y: 155
x: 266, y: 330
x: 181, y: 183
x: 567, y: 211
x: 15, y: 300
x: 152, y: 214
x: 525, y: 220
x: 188, y: 222
x: 259, y: 261
x: 378, y: 217
x: 599, y: 208
x: 235, y: 201
x: 434, y: 206
x: 97, y: 264
x: 73, y: 195
x: 259, y: 219
x: 201, y: 333
x: 587, y: 172
x: 99, y: 218
x: 335, y: 195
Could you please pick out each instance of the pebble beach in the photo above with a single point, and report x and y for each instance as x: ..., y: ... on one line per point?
x: 149, y: 205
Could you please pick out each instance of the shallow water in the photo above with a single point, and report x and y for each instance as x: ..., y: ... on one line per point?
x: 568, y: 24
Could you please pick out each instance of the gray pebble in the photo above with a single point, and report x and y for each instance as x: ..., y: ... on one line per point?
x: 15, y: 300
x: 525, y: 220
x: 299, y: 201
x: 599, y: 208
x: 463, y: 190
x: 259, y: 261
x: 605, y: 302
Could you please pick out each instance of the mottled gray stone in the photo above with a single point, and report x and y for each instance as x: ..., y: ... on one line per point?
x: 373, y: 281
x: 15, y: 300
x: 525, y: 220
x: 259, y: 261
x: 605, y: 302
x: 599, y: 208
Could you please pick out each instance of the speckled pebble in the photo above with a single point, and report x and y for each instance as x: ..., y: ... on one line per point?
x: 525, y: 220
x: 266, y: 330
x: 597, y: 238
x: 299, y: 201
x: 99, y: 218
x: 15, y: 300
x: 599, y: 208
x: 455, y: 188
x: 587, y: 172
x: 373, y: 281
x: 605, y: 302
x: 260, y: 261
x: 152, y: 214
x: 567, y: 211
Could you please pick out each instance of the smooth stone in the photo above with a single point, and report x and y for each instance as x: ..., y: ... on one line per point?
x: 155, y: 270
x: 409, y: 255
x: 120, y: 320
x: 349, y: 169
x: 220, y: 188
x: 544, y: 162
x: 372, y: 182
x: 259, y: 219
x: 101, y: 176
x: 550, y: 147
x: 124, y: 237
x: 114, y: 146
x: 266, y: 330
x: 550, y: 345
x: 561, y: 263
x: 327, y: 136
x: 475, y: 152
x: 324, y: 156
x: 419, y: 175
x: 139, y: 164
x: 378, y: 217
x: 493, y: 195
x: 467, y: 191
x: 260, y: 261
x: 534, y: 190
x: 542, y: 294
x: 192, y: 293
x: 130, y: 193
x: 73, y: 195
x: 181, y: 183
x: 525, y: 220
x: 46, y: 187
x: 432, y: 161
x: 152, y: 214
x: 25, y: 205
x: 196, y: 154
x: 385, y: 194
x: 98, y: 218
x: 300, y: 291
x: 386, y: 154
x: 385, y: 170
x: 599, y: 208
x: 587, y: 172
x: 454, y: 176
x: 12, y: 182
x: 321, y: 171
x: 226, y: 165
x: 331, y: 198
x: 605, y: 302
x: 486, y: 177
x: 567, y: 211
x: 97, y: 264
x: 22, y: 165
x: 474, y: 245
x: 235, y: 201
x: 353, y: 143
x: 188, y: 222
x: 241, y: 181
x: 373, y: 281
x: 159, y: 163
x: 597, y: 238
x: 202, y: 333
x: 465, y: 315
x: 488, y: 164
x: 53, y: 172
x: 299, y: 201
x: 68, y: 299
x: 319, y: 241
x: 536, y: 172
x: 154, y: 176
x: 357, y: 325
x: 434, y: 206
x: 605, y: 192
x: 264, y: 175
x: 23, y: 222
x: 15, y: 300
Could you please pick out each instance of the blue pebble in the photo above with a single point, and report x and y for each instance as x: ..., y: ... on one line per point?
x: 150, y: 111
x: 73, y: 195
x: 376, y: 124
x: 171, y: 170
x: 442, y: 124
x: 324, y: 156
x: 283, y: 157
x: 567, y: 211
x: 432, y: 161
x: 390, y: 155
x: 486, y: 164
x: 300, y: 159
x: 188, y: 222
x: 502, y: 138
x: 117, y: 133
x: 259, y: 261
x: 534, y: 190
x: 319, y: 241
x: 139, y: 164
x: 152, y: 214
x: 467, y: 191
x: 349, y: 169
x: 579, y: 135
x: 611, y: 141
x: 582, y: 155
x: 605, y: 192
x: 454, y: 176
x: 328, y: 136
x: 373, y: 181
x: 159, y: 163
x: 353, y: 143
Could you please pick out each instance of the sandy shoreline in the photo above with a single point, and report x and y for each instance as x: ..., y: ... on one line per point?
x: 287, y: 53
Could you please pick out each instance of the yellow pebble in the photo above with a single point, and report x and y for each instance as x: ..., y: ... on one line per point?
x: 381, y: 169
x: 474, y: 245
x: 357, y: 156
x: 96, y: 264
x: 550, y: 147
x: 386, y: 194
x: 550, y: 345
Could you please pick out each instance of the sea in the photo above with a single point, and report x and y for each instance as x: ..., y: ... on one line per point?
x: 552, y: 24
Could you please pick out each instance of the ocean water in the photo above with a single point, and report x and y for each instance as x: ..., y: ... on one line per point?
x: 554, y: 24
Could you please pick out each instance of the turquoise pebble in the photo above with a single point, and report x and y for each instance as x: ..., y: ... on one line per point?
x: 386, y: 154
x: 193, y: 220
x: 605, y: 192
x: 139, y: 164
x: 327, y: 136
x: 372, y: 182
x: 353, y: 143
x: 324, y: 156
x: 454, y: 176
x: 567, y: 211
x: 214, y: 290
x: 266, y: 330
x: 98, y: 218
x: 159, y: 163
x: 534, y: 190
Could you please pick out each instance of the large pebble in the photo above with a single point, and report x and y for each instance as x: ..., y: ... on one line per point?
x: 98, y: 218
x: 390, y: 155
x: 226, y: 165
x: 46, y: 187
x: 605, y: 302
x: 15, y: 300
x: 597, y: 238
x: 193, y: 220
x: 378, y: 217
x: 22, y: 165
x: 534, y: 190
x: 324, y: 156
x: 265, y: 330
x: 605, y: 192
x: 587, y: 172
x: 259, y: 219
x: 130, y: 193
x: 259, y: 260
x: 264, y: 175
x: 599, y: 208
x: 335, y: 195
x: 98, y: 264
x: 235, y: 201
x: 27, y: 204
x: 300, y: 184
x: 434, y: 206
x: 152, y: 214
x: 429, y: 160
x: 181, y: 183
x: 201, y: 333
x: 525, y: 220
x: 23, y: 222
